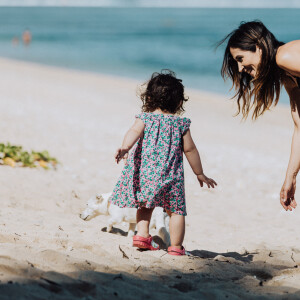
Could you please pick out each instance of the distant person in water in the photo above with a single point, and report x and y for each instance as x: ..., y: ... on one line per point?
x: 26, y: 37
x: 258, y: 65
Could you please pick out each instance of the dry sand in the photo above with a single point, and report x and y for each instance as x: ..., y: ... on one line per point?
x: 244, y: 245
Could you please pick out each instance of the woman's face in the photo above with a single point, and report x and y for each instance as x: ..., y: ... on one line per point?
x: 247, y: 61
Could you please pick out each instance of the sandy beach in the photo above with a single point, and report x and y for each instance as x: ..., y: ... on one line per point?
x: 244, y: 245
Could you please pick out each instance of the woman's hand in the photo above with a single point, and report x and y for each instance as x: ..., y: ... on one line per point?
x: 209, y: 182
x: 121, y: 154
x: 287, y: 194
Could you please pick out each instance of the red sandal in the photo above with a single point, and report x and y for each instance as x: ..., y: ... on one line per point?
x: 178, y: 252
x: 144, y: 243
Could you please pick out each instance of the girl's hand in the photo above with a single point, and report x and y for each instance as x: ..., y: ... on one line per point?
x: 121, y: 154
x: 287, y: 194
x: 209, y: 182
x: 125, y: 158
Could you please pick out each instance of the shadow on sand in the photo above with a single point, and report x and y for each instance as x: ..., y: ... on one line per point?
x: 207, y: 275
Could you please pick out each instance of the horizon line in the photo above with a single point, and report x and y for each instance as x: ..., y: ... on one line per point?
x: 154, y: 6
x: 154, y: 3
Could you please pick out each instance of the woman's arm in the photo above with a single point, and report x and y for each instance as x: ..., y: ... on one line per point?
x: 288, y: 189
x: 193, y: 157
x: 288, y: 58
x: 289, y: 186
x: 131, y: 137
x: 294, y: 163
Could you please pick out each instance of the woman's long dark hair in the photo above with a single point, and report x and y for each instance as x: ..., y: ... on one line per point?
x: 264, y: 89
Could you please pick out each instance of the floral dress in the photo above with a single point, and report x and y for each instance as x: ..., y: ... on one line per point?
x: 154, y: 173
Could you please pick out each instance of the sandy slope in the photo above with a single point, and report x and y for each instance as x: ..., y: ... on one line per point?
x: 244, y: 245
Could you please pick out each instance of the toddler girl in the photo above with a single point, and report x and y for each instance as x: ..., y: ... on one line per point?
x: 153, y: 174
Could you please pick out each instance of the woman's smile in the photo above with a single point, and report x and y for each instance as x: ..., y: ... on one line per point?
x: 247, y: 61
x: 250, y: 70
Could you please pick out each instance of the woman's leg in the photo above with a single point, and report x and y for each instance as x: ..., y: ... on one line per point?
x: 143, y: 217
x: 177, y: 229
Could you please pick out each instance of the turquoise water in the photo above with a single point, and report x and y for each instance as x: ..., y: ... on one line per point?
x: 134, y: 42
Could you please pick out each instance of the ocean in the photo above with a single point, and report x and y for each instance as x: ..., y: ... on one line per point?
x: 135, y: 42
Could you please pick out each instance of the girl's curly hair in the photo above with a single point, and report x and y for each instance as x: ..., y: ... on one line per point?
x: 164, y: 91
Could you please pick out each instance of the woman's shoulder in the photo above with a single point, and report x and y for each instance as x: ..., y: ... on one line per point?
x: 287, y: 54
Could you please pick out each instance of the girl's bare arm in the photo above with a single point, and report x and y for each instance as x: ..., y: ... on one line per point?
x: 191, y: 152
x: 131, y: 137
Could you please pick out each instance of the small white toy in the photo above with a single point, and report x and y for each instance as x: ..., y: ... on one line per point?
x: 100, y: 205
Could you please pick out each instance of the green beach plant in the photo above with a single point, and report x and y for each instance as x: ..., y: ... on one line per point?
x: 15, y: 156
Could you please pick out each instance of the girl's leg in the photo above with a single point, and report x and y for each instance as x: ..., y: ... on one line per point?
x: 143, y: 217
x: 177, y: 229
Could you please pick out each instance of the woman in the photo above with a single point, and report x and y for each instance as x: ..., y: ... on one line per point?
x: 259, y: 65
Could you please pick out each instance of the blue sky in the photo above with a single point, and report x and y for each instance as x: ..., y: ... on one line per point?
x: 157, y: 3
